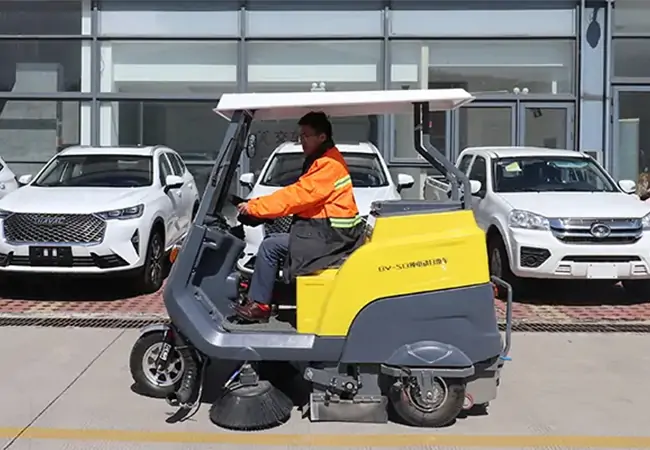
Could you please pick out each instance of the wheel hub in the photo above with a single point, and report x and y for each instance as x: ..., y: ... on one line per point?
x: 168, y: 376
x: 495, y: 263
x: 427, y: 401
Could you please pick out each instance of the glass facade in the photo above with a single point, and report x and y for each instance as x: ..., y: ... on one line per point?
x: 114, y: 72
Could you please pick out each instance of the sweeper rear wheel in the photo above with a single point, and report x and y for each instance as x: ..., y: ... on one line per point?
x: 249, y: 408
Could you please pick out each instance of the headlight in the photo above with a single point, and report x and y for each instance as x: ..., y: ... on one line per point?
x: 645, y: 221
x: 527, y: 220
x: 122, y: 214
x: 4, y: 214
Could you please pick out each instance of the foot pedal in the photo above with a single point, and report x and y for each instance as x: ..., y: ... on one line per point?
x: 361, y: 409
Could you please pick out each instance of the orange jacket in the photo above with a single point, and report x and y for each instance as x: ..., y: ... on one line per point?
x: 323, y: 192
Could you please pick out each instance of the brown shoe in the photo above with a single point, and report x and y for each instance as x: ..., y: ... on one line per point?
x: 253, y: 312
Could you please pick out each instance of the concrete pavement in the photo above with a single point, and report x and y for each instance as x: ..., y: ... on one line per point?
x: 70, y: 389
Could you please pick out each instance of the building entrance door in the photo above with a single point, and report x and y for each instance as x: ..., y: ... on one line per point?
x: 631, y: 135
x: 517, y: 123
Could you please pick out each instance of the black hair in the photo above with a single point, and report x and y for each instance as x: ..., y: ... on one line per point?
x: 319, y: 122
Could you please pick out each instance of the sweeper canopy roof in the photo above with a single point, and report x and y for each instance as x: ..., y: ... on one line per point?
x: 242, y: 109
x: 277, y: 106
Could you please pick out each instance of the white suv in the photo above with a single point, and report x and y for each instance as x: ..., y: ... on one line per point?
x: 368, y: 170
x: 99, y: 210
x: 558, y: 214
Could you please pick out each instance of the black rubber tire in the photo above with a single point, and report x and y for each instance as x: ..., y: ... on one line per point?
x: 443, y: 416
x: 146, y: 281
x: 142, y: 384
x: 496, y: 245
x: 637, y: 289
x: 195, y: 209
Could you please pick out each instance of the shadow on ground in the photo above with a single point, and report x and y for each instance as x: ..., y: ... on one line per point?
x: 577, y: 293
x: 61, y: 288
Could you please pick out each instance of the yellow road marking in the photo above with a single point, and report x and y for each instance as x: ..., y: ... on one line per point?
x: 331, y: 440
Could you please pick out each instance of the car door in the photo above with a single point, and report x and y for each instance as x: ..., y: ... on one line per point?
x: 186, y: 191
x: 173, y: 202
x: 478, y: 172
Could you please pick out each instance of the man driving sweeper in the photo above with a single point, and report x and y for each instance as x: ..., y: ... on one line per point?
x: 326, y: 223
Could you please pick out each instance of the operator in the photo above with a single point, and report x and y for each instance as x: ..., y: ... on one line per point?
x: 326, y: 223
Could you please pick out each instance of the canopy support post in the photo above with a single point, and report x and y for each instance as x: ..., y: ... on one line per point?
x: 434, y: 157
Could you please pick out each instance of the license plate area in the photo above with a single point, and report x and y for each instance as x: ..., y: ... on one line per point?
x: 602, y: 271
x: 50, y: 256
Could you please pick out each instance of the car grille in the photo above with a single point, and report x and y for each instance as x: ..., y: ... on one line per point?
x: 578, y: 231
x: 20, y: 228
x: 283, y: 224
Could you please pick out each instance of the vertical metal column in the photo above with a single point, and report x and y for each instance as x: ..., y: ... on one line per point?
x: 95, y: 74
x: 608, y: 147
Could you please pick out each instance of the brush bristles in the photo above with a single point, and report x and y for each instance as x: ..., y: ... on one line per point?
x: 251, y: 408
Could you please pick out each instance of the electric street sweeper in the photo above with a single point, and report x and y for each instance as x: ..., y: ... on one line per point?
x: 405, y: 323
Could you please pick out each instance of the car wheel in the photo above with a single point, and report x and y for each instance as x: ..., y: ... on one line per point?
x: 142, y: 364
x: 499, y: 264
x: 152, y: 274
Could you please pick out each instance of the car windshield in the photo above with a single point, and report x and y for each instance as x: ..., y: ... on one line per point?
x: 97, y: 171
x: 550, y: 174
x: 366, y: 170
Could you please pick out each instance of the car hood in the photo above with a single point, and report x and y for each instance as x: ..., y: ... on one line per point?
x: 363, y: 196
x: 579, y: 204
x: 71, y: 200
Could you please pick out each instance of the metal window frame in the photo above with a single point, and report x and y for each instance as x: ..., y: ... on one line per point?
x: 385, y: 127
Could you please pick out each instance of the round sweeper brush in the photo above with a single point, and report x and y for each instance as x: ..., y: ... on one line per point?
x: 250, y: 408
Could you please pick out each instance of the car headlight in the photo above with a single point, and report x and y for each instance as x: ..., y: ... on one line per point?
x: 4, y: 214
x: 527, y: 220
x: 645, y: 221
x: 122, y: 214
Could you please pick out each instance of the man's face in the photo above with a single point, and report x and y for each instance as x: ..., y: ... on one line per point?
x: 310, y: 139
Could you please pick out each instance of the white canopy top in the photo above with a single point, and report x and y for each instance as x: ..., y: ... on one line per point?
x: 293, y: 105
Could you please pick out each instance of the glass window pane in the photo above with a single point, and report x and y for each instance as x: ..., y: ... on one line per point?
x: 169, y: 18
x: 190, y: 128
x: 42, y: 17
x: 544, y: 67
x: 631, y: 57
x: 631, y: 16
x: 173, y: 67
x: 545, y: 127
x: 632, y: 151
x: 314, y: 23
x: 490, y: 126
x: 34, y: 130
x: 40, y: 66
x: 477, y: 23
x: 318, y: 65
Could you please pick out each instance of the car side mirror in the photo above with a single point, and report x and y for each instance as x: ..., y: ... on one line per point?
x: 476, y: 188
x: 25, y: 179
x: 627, y: 186
x: 247, y: 179
x: 404, y: 181
x: 173, y: 182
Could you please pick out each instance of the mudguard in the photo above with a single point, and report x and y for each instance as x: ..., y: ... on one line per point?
x: 431, y: 354
x: 163, y: 327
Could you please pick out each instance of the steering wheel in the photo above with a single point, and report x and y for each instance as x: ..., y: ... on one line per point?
x: 245, y: 219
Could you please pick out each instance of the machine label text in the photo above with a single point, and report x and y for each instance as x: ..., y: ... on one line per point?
x: 413, y: 264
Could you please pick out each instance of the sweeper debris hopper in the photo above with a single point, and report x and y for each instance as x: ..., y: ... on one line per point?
x: 407, y: 319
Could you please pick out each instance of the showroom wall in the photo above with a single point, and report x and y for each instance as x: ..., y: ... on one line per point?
x: 117, y: 72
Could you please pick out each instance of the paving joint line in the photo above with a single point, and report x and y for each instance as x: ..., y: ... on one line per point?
x: 63, y: 391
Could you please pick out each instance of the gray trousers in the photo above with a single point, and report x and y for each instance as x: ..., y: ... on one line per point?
x: 272, y: 250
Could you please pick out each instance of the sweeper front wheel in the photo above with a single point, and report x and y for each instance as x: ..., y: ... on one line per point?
x: 251, y: 408
x: 437, y: 410
x: 142, y: 364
